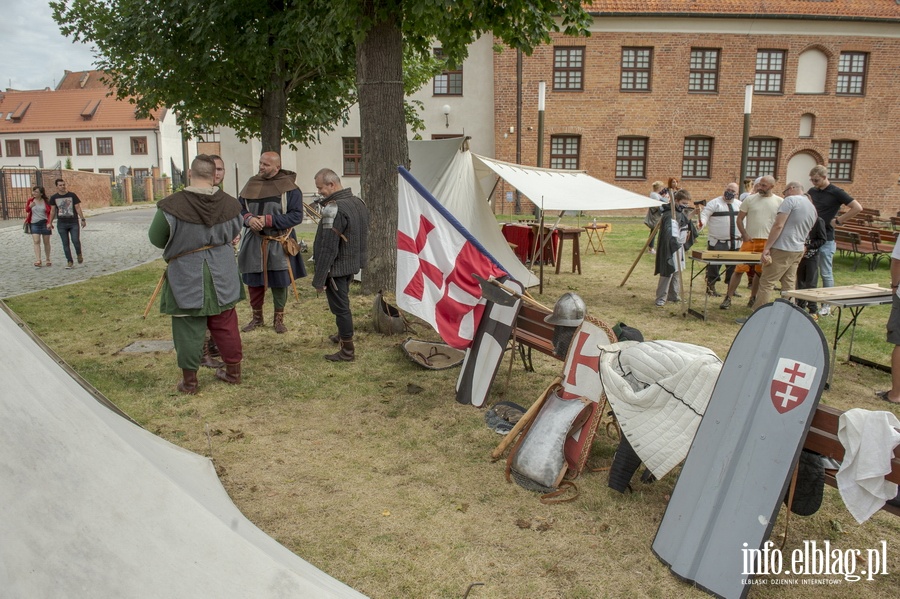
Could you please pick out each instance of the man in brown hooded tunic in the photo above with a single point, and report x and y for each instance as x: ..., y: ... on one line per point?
x: 271, y: 206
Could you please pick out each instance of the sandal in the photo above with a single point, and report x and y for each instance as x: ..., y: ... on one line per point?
x: 48, y: 263
x: 37, y: 264
x: 884, y: 396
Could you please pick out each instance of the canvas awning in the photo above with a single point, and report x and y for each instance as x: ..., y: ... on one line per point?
x: 558, y: 190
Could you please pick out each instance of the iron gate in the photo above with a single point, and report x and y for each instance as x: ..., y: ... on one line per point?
x: 15, y: 188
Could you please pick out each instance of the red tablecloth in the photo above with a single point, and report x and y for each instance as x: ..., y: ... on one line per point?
x: 522, y: 236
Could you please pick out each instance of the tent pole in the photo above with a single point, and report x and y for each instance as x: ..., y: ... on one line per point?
x: 541, y: 277
x: 641, y: 253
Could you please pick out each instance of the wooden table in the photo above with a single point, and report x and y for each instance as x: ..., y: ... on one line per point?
x: 855, y: 298
x: 595, y: 234
x: 715, y: 259
x: 573, y: 234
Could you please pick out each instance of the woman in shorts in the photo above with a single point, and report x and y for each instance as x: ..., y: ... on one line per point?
x: 37, y: 214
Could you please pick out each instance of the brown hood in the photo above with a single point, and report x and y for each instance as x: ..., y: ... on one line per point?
x: 259, y: 187
x: 200, y: 208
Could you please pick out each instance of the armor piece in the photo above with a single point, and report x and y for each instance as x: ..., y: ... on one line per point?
x: 568, y: 311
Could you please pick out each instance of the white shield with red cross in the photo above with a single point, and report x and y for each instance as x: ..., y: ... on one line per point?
x: 582, y: 370
x: 790, y: 384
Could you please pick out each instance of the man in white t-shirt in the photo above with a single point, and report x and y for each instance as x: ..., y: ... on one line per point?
x: 892, y: 395
x: 785, y: 246
x: 755, y: 220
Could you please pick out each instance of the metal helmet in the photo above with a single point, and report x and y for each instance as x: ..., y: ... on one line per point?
x: 568, y: 311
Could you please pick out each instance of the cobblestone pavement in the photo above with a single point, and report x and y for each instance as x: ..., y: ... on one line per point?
x: 113, y: 240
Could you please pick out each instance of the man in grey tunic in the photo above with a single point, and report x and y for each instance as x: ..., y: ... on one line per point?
x: 195, y: 228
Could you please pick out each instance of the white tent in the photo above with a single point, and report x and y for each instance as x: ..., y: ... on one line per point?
x: 95, y: 506
x: 558, y: 190
x: 462, y: 182
x: 444, y: 167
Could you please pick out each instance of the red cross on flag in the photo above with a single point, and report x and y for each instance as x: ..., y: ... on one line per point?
x: 436, y: 258
x: 790, y: 384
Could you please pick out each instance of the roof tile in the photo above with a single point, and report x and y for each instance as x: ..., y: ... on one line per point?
x: 64, y: 109
x: 864, y: 9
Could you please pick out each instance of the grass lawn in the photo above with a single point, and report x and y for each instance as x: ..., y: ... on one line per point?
x: 393, y: 492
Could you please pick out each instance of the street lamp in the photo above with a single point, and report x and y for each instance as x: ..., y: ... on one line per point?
x: 542, y: 91
x: 748, y: 104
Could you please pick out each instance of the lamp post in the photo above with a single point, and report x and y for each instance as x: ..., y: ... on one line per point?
x: 542, y: 90
x: 745, y: 147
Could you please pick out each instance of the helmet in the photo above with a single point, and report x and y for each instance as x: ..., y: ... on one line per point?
x: 568, y: 312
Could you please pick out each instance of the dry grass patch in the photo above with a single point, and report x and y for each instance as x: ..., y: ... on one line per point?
x: 393, y: 492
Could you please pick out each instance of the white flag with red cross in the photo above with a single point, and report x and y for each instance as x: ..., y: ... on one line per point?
x: 790, y: 384
x: 436, y: 258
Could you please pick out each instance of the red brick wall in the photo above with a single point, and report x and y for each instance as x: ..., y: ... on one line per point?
x: 668, y: 114
x: 93, y: 189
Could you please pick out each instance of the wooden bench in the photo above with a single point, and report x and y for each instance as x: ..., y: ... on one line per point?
x: 850, y: 242
x: 822, y: 438
x: 532, y: 332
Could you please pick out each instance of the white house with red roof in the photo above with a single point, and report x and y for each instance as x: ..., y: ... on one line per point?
x: 81, y: 121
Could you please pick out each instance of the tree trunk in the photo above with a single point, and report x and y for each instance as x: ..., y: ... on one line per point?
x: 379, y: 64
x: 274, y: 108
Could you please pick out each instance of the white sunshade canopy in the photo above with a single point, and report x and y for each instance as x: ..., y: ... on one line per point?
x: 558, y: 190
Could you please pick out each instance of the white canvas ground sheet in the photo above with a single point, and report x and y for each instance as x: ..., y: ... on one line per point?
x: 557, y: 190
x: 95, y: 506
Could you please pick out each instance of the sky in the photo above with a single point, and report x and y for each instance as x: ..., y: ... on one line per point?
x: 33, y: 53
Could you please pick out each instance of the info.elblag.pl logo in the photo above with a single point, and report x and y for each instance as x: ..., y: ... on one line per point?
x: 814, y: 559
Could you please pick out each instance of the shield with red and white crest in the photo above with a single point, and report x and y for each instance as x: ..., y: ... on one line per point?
x: 790, y: 384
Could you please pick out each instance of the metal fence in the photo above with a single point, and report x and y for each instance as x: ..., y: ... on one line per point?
x: 15, y: 188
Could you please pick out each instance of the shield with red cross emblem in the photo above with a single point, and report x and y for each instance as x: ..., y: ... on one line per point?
x: 790, y: 384
x: 581, y: 372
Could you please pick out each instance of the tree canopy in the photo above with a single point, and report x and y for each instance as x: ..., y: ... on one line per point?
x: 381, y: 29
x: 276, y: 69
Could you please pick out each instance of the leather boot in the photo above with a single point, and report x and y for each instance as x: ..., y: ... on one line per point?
x: 188, y: 384
x: 711, y: 290
x: 256, y: 322
x: 278, y: 323
x: 334, y: 338
x: 231, y: 373
x: 207, y: 359
x: 346, y: 353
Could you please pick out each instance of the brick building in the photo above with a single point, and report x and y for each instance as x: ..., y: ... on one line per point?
x: 658, y: 91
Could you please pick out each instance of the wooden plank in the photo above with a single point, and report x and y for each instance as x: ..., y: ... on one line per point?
x: 823, y: 294
x: 735, y: 256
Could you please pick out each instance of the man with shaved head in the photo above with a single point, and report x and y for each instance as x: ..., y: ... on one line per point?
x: 272, y: 205
x: 755, y: 220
